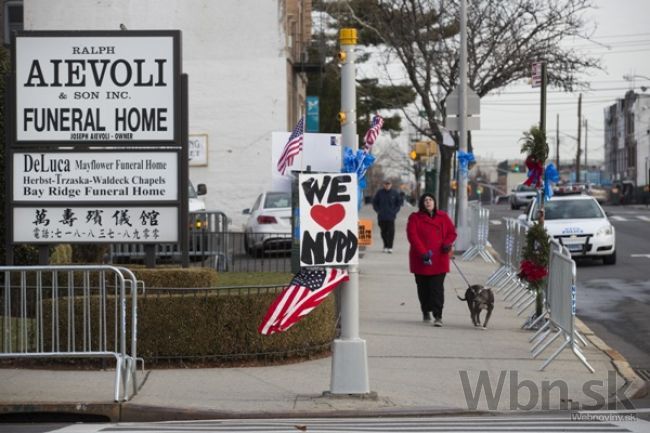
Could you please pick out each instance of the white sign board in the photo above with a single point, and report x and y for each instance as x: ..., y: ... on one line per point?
x: 198, y: 150
x: 95, y: 176
x: 50, y: 224
x: 94, y: 88
x: 328, y: 219
x: 452, y: 104
x: 472, y: 123
x: 322, y: 152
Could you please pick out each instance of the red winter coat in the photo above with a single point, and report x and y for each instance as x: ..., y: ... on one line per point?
x: 425, y: 233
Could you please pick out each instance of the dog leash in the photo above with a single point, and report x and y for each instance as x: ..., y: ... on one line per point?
x: 453, y: 260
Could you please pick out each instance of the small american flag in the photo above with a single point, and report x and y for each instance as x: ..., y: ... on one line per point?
x: 307, y: 290
x: 293, y: 146
x: 373, y: 132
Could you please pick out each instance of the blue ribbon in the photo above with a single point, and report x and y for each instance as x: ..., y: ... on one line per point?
x: 464, y: 160
x: 550, y: 176
x: 358, y: 163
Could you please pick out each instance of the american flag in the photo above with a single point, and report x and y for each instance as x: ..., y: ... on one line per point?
x: 373, y: 132
x: 293, y: 146
x: 307, y: 290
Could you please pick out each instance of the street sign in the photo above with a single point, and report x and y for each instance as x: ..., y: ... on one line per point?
x: 452, y: 105
x: 536, y: 74
x: 312, y: 114
x: 365, y: 232
x: 471, y: 123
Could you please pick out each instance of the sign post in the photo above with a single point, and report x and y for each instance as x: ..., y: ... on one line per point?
x: 349, y: 355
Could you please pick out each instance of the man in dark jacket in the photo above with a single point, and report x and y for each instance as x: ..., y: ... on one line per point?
x: 387, y: 203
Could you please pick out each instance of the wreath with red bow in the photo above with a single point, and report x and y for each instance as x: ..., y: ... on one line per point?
x: 533, y: 267
x: 534, y: 144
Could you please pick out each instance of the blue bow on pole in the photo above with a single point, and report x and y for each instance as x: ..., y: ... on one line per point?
x: 551, y: 175
x: 464, y: 160
x: 358, y: 163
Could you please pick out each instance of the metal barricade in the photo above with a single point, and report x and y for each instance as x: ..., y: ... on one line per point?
x: 506, y: 280
x: 561, y: 308
x: 71, y: 312
x: 479, y: 225
x: 208, y: 242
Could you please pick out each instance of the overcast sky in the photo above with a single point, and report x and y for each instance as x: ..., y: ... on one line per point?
x: 623, y: 44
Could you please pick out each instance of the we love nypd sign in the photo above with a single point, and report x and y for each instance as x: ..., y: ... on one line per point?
x: 328, y: 219
x: 97, y: 87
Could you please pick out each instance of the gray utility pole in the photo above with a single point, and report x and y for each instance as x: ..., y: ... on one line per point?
x: 578, y: 141
x: 557, y: 141
x: 462, y: 243
x: 349, y: 355
x: 586, y: 135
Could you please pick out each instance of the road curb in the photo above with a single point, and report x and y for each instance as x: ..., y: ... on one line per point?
x: 48, y: 412
x: 638, y: 388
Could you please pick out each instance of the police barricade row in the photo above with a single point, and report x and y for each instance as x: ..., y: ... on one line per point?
x: 505, y: 279
x: 72, y: 312
x: 479, y: 226
x: 208, y: 242
x: 560, y: 305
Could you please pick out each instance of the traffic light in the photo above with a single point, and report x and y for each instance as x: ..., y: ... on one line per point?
x: 413, y: 155
x: 515, y: 168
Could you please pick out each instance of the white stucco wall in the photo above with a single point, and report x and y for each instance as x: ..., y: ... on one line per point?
x: 233, y: 52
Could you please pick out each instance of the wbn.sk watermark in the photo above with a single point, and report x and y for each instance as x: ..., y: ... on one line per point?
x: 528, y: 395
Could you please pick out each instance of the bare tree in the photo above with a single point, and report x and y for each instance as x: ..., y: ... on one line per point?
x: 504, y: 38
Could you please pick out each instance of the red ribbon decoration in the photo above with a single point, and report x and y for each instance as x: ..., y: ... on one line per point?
x: 535, y: 170
x: 531, y: 271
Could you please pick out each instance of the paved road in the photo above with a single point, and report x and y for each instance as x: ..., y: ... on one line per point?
x: 614, y: 301
x: 493, y: 424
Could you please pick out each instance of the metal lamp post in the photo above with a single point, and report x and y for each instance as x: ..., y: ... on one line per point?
x: 349, y: 355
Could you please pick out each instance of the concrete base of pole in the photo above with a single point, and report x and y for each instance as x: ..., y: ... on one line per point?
x: 349, y: 367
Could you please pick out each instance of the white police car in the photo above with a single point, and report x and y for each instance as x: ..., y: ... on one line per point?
x: 579, y: 223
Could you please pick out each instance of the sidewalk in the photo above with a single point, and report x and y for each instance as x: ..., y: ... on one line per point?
x: 413, y: 367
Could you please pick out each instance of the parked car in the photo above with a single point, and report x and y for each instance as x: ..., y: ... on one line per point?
x: 579, y: 223
x: 522, y: 195
x: 269, y: 223
x: 196, y: 203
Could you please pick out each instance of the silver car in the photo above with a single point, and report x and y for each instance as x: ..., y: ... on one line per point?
x: 522, y: 195
x: 269, y: 223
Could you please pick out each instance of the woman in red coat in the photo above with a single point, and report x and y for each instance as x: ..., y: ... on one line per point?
x: 431, y: 234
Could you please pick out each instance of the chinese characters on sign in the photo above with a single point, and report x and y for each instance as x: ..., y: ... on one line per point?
x: 95, y: 224
x: 328, y: 219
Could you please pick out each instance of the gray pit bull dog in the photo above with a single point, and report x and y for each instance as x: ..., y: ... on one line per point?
x: 479, y: 298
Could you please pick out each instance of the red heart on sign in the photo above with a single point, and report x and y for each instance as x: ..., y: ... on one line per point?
x: 327, y: 216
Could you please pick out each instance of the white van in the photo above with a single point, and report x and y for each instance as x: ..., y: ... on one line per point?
x: 196, y: 204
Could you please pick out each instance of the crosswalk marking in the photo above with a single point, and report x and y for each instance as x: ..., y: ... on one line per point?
x: 495, y: 222
x: 618, y: 218
x: 643, y: 218
x: 493, y: 424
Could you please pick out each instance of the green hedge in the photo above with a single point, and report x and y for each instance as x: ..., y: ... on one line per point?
x: 224, y: 326
x: 205, y: 323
